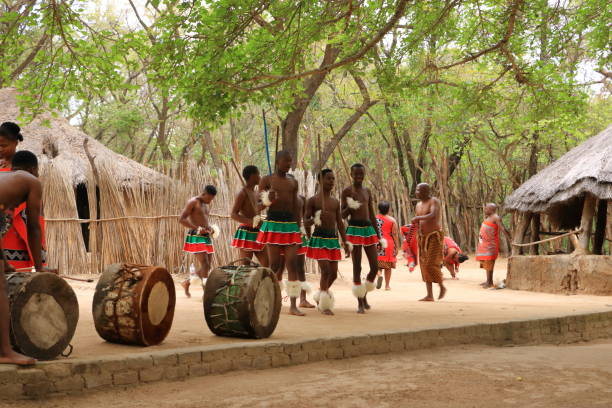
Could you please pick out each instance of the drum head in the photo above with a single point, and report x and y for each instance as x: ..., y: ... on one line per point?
x: 264, y: 298
x: 44, y: 315
x: 157, y: 301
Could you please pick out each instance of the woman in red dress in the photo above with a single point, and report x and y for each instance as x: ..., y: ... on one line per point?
x: 387, y: 256
x: 15, y: 241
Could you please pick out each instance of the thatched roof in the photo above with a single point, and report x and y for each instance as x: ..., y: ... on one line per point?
x: 54, y: 138
x: 585, y: 168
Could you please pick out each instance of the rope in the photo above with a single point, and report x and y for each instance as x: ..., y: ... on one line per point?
x: 266, y: 140
x: 127, y: 217
x: 549, y: 239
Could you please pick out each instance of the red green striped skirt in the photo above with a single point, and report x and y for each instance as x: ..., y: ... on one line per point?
x: 245, y: 239
x: 361, y: 233
x: 196, y: 244
x: 324, y: 247
x: 279, y: 233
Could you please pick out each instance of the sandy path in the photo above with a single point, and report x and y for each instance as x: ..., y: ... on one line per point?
x: 466, y: 303
x: 471, y: 376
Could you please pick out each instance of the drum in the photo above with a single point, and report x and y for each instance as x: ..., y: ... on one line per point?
x: 44, y: 314
x: 134, y: 304
x: 242, y: 301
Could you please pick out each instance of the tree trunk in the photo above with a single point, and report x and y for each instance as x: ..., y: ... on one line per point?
x: 519, y: 234
x: 600, y: 227
x: 291, y: 123
x: 588, y: 210
x: 535, y: 234
x: 162, y: 137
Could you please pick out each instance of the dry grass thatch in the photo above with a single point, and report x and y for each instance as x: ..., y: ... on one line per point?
x: 586, y: 168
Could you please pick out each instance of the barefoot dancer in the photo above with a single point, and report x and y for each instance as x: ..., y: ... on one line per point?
x: 488, y: 242
x: 357, y: 204
x: 16, y: 187
x: 323, y: 211
x: 197, y: 241
x: 387, y: 257
x: 281, y: 232
x: 246, y: 212
x: 301, y: 260
x: 410, y: 245
x: 431, y: 240
x: 453, y: 256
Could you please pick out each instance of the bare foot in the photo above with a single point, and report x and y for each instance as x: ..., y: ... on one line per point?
x: 487, y: 285
x: 454, y: 278
x: 296, y: 312
x: 327, y: 312
x: 442, y: 292
x: 427, y: 299
x: 13, y: 357
x: 185, y: 285
x: 366, y: 305
x: 388, y: 288
x: 306, y: 305
x: 360, y: 308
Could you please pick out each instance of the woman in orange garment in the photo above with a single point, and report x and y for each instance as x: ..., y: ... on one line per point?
x: 387, y: 255
x: 15, y: 241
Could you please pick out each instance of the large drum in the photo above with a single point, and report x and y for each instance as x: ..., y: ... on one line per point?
x: 242, y: 301
x: 44, y: 314
x: 134, y: 304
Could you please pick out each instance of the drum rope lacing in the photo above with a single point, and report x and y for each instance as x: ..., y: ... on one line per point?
x: 234, y: 299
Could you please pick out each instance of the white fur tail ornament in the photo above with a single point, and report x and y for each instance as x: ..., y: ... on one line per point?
x: 326, y: 301
x: 216, y: 231
x: 294, y: 288
x: 359, y: 291
x: 317, y: 218
x: 256, y: 221
x: 383, y: 243
x: 305, y: 286
x: 352, y: 203
x: 265, y: 198
x: 302, y: 230
x: 350, y: 246
x: 369, y: 285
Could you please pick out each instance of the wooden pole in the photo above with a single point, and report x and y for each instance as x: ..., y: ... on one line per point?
x: 524, y: 221
x: 600, y: 227
x: 276, y: 148
x: 588, y: 211
x: 535, y: 234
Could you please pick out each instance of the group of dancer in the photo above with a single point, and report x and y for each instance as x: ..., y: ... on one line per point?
x: 295, y: 228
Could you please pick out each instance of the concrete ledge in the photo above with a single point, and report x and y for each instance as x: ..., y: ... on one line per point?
x: 81, y: 375
x: 584, y: 274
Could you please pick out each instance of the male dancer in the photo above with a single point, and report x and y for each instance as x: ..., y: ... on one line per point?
x: 323, y: 211
x: 280, y: 232
x: 301, y: 259
x: 18, y: 186
x: 246, y: 212
x: 195, y: 217
x: 488, y: 242
x: 431, y: 240
x: 358, y: 207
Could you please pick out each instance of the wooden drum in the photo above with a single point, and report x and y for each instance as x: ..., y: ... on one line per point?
x: 44, y: 314
x: 242, y: 301
x: 134, y: 304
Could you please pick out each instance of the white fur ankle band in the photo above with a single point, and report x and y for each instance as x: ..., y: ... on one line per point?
x: 369, y: 286
x: 326, y: 301
x: 294, y: 288
x: 305, y: 286
x: 359, y: 291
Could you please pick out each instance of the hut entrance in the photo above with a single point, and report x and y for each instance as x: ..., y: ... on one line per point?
x: 82, y: 204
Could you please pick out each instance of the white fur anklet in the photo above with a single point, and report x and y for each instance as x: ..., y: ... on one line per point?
x: 359, y: 291
x: 327, y: 301
x: 294, y: 288
x: 306, y: 287
x: 369, y: 285
x: 317, y: 296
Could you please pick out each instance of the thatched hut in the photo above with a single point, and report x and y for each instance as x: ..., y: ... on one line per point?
x: 573, y: 194
x: 78, y: 201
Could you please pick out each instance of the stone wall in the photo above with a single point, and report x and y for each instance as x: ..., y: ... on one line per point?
x: 587, y: 274
x: 83, y: 375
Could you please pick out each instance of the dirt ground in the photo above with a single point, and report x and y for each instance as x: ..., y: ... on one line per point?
x: 574, y: 376
x: 465, y: 303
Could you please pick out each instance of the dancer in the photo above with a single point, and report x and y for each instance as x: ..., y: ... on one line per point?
x: 453, y: 257
x: 280, y: 232
x: 15, y: 241
x: 488, y: 242
x: 197, y: 242
x: 16, y: 187
x: 410, y: 245
x: 301, y: 258
x: 246, y: 212
x: 358, y: 207
x: 431, y: 240
x: 387, y: 257
x: 323, y: 211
